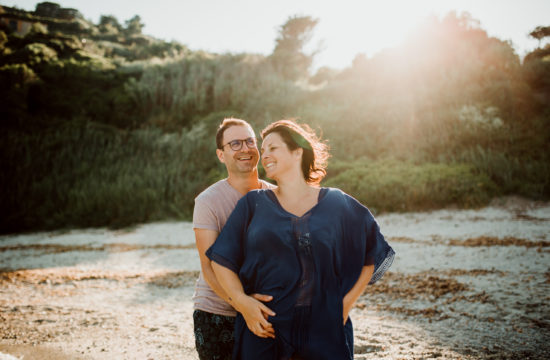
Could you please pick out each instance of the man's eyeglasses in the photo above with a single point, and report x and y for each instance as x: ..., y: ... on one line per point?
x: 237, y: 145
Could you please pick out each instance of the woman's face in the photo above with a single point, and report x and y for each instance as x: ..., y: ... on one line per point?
x: 277, y: 158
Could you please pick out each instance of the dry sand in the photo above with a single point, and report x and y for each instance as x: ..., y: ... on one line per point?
x: 465, y: 284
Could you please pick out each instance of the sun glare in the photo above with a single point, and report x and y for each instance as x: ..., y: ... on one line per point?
x: 366, y: 28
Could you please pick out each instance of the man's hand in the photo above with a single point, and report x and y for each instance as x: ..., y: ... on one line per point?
x: 255, y: 314
x: 262, y: 298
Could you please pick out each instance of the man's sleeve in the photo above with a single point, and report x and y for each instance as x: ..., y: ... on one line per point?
x: 204, y: 217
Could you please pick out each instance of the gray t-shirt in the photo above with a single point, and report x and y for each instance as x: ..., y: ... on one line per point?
x: 212, y: 208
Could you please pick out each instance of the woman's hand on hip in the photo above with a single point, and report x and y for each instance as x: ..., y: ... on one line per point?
x: 347, y: 306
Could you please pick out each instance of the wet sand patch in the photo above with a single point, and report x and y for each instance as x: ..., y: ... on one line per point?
x: 474, y: 241
x: 112, y: 248
x: 413, y: 286
x: 63, y: 276
x: 495, y: 241
x: 24, y: 352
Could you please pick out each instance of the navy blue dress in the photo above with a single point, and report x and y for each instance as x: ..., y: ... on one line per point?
x: 307, y: 264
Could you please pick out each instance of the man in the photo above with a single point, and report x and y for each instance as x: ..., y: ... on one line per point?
x: 213, y: 317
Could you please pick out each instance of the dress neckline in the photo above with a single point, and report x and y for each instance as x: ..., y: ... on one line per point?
x: 271, y: 195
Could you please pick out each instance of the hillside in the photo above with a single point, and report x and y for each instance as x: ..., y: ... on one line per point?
x: 103, y: 125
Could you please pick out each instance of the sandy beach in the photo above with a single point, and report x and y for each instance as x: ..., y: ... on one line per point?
x: 465, y: 284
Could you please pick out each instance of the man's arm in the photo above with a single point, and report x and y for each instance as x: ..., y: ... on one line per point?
x: 254, y: 312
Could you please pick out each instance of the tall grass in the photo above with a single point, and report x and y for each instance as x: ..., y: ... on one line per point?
x: 85, y: 174
x: 181, y: 91
x: 524, y: 176
x: 393, y: 185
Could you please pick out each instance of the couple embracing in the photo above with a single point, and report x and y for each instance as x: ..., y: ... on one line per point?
x: 281, y: 266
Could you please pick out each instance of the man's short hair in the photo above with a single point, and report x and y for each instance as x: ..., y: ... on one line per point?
x: 226, y: 124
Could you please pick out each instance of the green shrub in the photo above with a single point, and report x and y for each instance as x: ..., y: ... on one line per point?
x: 81, y: 174
x: 521, y: 175
x: 391, y: 185
x: 16, y: 80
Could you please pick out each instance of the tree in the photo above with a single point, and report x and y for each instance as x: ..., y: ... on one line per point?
x: 536, y: 64
x: 289, y: 58
x: 109, y: 24
x: 38, y: 28
x: 323, y: 75
x: 134, y: 25
x: 540, y: 32
x: 3, y: 40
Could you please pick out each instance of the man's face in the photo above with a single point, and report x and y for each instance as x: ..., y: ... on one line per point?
x: 244, y: 160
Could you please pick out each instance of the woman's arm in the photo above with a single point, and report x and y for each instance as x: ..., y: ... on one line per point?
x: 254, y: 312
x: 360, y: 285
x: 204, y: 238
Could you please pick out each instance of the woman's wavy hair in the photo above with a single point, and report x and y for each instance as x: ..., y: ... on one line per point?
x: 315, y: 152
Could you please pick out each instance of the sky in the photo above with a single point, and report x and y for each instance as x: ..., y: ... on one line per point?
x: 345, y: 29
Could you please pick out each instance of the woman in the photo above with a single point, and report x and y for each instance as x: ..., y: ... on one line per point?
x: 313, y: 249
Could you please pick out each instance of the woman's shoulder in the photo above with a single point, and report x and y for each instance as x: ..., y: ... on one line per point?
x: 352, y: 204
x: 337, y: 194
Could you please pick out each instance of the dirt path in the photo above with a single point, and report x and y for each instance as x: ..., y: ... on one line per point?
x: 466, y: 284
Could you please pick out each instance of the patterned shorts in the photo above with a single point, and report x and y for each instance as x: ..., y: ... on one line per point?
x: 214, y: 335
